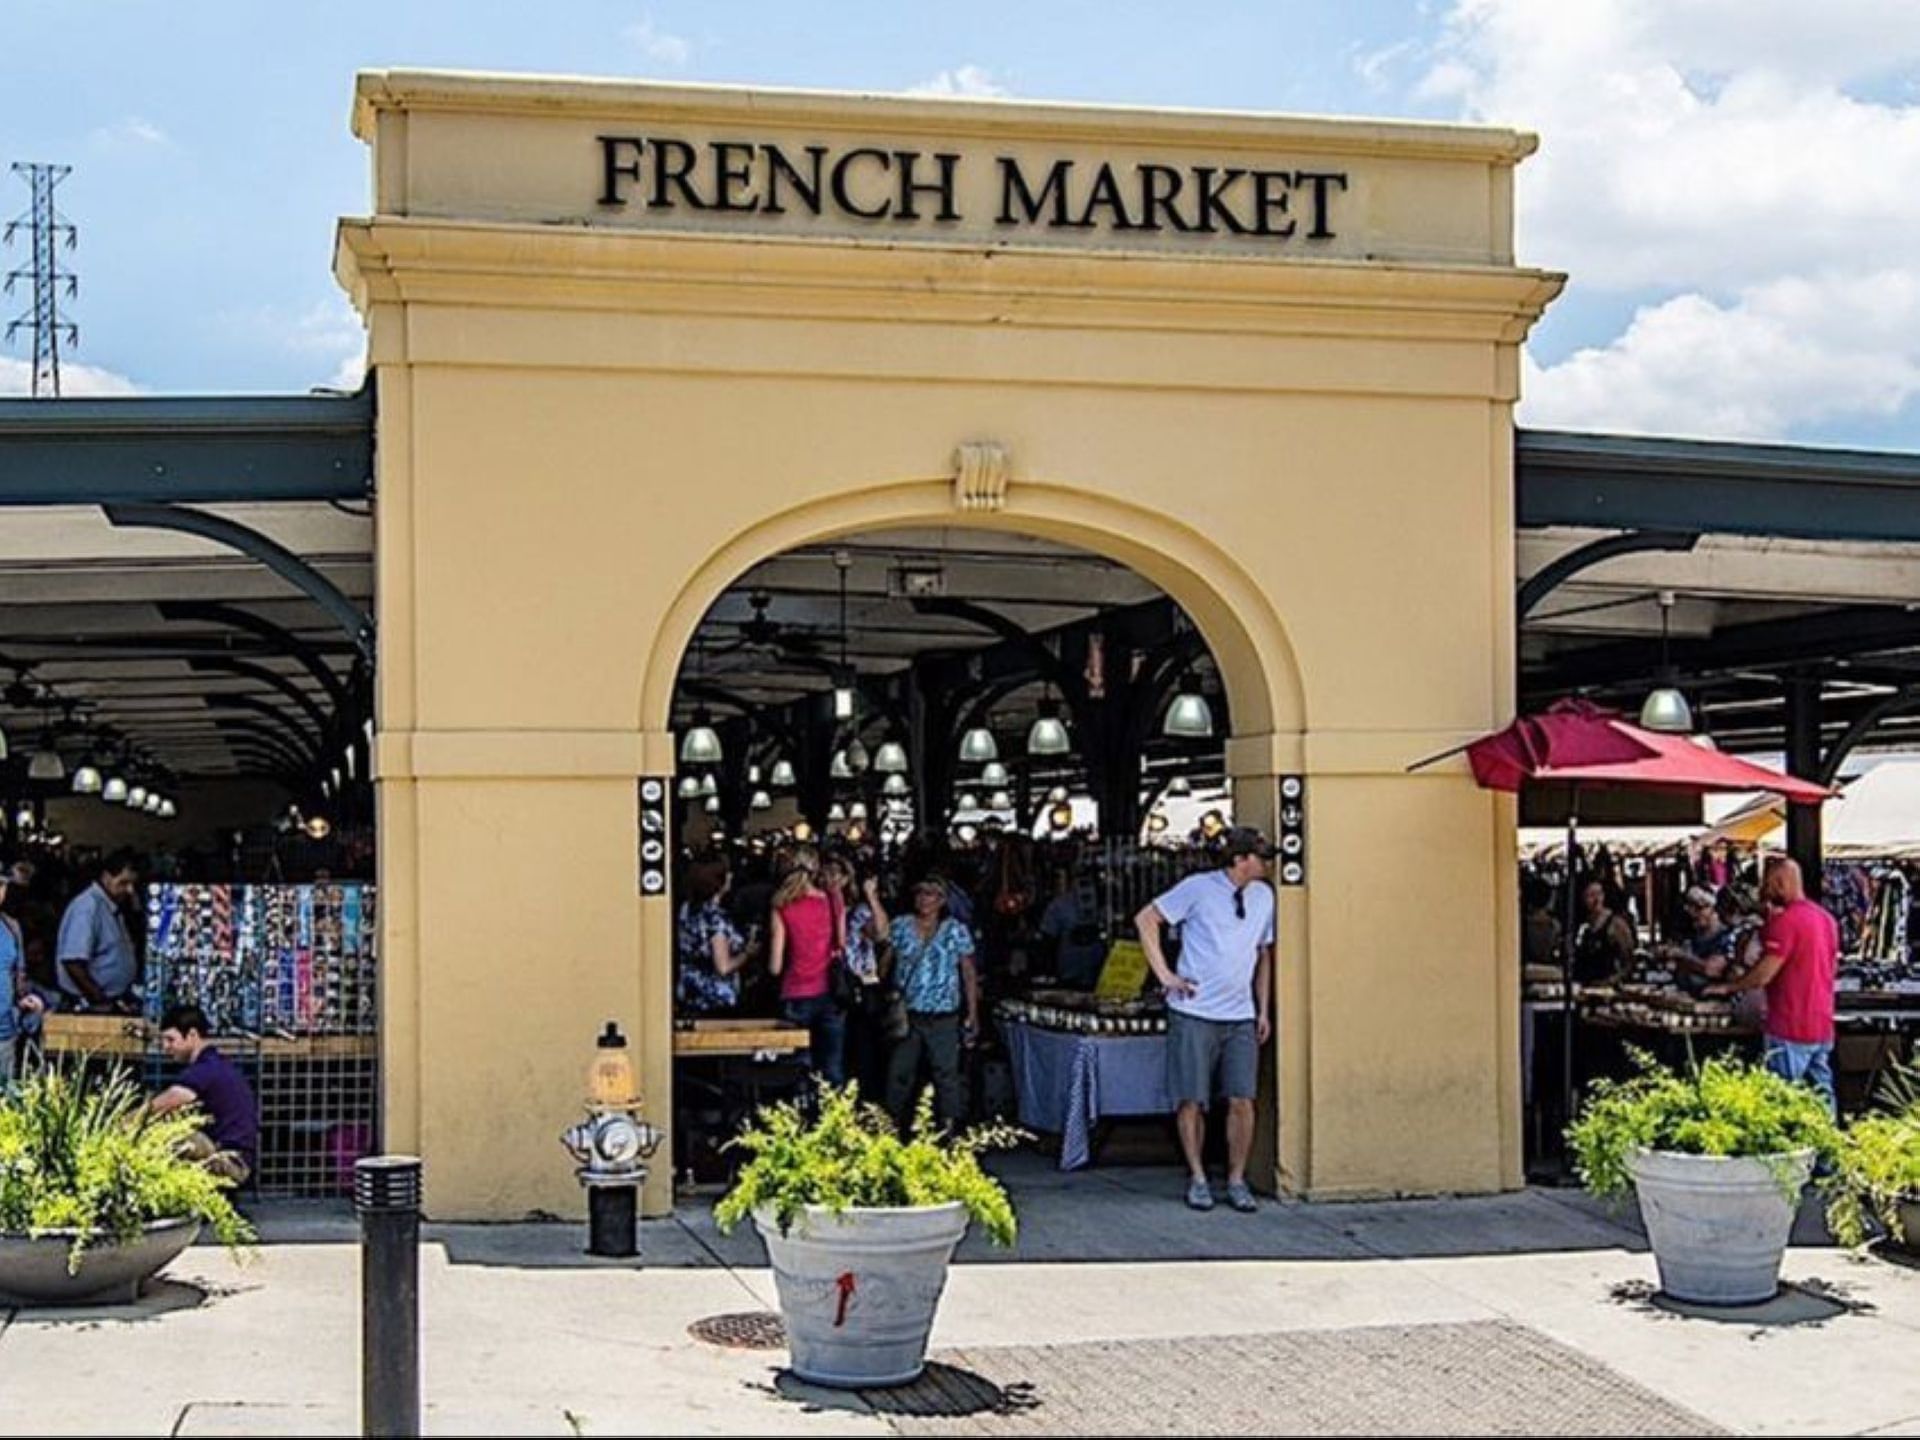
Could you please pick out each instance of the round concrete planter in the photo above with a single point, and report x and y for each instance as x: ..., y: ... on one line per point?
x: 1719, y: 1226
x: 1908, y: 1235
x: 33, y: 1268
x: 858, y: 1290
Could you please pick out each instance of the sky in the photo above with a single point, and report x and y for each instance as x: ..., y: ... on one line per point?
x: 1733, y: 185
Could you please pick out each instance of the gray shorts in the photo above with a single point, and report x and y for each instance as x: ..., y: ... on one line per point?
x: 1211, y: 1057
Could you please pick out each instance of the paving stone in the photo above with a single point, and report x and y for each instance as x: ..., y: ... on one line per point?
x: 1476, y: 1378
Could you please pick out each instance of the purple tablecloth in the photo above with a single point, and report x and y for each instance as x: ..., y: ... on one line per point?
x: 1067, y: 1083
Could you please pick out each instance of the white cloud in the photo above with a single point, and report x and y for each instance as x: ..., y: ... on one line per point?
x: 1376, y: 67
x: 328, y: 334
x: 657, y: 45
x: 348, y: 374
x: 76, y: 381
x: 962, y: 82
x: 1725, y: 153
x: 132, y: 132
x: 1794, y: 351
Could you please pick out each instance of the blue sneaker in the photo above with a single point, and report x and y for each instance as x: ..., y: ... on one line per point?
x: 1240, y: 1197
x: 1199, y: 1195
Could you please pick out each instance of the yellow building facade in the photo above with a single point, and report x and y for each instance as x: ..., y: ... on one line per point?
x: 630, y: 340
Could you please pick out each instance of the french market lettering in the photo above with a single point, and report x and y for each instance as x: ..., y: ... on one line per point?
x: 913, y: 187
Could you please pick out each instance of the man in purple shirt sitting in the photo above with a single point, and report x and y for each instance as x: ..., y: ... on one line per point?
x: 229, y: 1141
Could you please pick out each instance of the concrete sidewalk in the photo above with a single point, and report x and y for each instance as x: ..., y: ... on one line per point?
x: 1520, y: 1314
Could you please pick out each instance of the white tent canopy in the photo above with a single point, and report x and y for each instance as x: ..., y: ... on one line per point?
x: 1877, y: 813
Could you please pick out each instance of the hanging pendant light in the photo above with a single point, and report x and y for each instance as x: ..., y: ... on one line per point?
x: 701, y: 744
x: 1179, y: 785
x: 994, y: 774
x: 136, y: 797
x: 152, y: 805
x: 709, y: 786
x: 836, y: 812
x: 857, y: 810
x: 712, y: 807
x: 1666, y: 709
x: 966, y: 800
x: 46, y: 763
x: 114, y: 792
x: 839, y: 769
x: 1000, y: 800
x: 977, y: 746
x: 857, y: 758
x: 753, y: 774
x: 783, y: 777
x: 1049, y: 733
x: 891, y: 758
x: 1057, y: 795
x: 761, y: 801
x: 895, y: 785
x: 168, y: 809
x: 86, y: 779
x: 689, y: 787
x: 1189, y: 717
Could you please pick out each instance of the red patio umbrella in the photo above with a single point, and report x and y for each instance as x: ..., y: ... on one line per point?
x: 1578, y: 744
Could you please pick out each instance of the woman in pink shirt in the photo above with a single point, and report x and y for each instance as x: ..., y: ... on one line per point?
x: 809, y: 930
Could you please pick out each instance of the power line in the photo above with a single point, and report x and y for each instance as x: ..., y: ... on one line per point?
x: 47, y: 228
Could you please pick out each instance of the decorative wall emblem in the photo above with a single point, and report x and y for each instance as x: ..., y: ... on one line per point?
x: 1293, y: 830
x: 654, y: 791
x: 981, y: 471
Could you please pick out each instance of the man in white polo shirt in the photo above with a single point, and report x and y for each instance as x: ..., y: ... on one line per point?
x: 1220, y: 1004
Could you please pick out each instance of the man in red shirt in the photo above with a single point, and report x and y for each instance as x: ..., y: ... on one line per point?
x: 1799, y: 953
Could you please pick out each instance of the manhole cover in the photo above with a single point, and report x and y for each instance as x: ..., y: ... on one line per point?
x: 749, y: 1330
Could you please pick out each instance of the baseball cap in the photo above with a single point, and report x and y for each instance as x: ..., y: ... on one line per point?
x: 1245, y: 840
x: 1701, y: 898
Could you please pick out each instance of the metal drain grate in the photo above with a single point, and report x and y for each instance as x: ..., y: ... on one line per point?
x: 747, y: 1330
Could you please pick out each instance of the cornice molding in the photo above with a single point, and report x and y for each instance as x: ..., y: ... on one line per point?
x: 432, y: 262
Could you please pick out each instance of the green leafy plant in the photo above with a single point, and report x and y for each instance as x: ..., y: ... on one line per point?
x: 1879, y: 1165
x: 851, y: 1155
x: 1722, y: 1107
x: 81, y: 1154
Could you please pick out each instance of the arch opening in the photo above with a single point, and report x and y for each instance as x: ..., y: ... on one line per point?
x: 1043, y: 724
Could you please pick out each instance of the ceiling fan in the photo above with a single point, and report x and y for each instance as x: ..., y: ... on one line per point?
x: 762, y: 632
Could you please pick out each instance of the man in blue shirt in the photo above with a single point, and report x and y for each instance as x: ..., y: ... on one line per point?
x: 230, y: 1138
x: 95, y: 951
x: 18, y: 1004
x: 1219, y: 1004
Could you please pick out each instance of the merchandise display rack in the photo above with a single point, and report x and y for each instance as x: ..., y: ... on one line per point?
x: 287, y: 975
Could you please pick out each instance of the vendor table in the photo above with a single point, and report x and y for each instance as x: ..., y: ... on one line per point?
x: 1068, y: 1083
x: 128, y: 1037
x: 739, y: 1037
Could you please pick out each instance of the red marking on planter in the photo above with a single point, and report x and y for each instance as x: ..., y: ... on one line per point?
x: 846, y: 1284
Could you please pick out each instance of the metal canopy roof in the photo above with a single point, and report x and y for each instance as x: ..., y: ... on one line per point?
x: 1807, y: 563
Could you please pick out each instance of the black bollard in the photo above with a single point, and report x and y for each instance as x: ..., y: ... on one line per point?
x: 386, y: 1192
x: 611, y: 1216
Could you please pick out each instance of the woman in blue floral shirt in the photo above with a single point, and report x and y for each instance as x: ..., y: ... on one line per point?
x: 933, y: 966
x: 709, y: 948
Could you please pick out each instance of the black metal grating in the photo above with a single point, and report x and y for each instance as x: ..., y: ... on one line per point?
x: 743, y: 1330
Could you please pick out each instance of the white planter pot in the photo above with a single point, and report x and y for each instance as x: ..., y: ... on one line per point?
x: 858, y: 1290
x: 1719, y: 1226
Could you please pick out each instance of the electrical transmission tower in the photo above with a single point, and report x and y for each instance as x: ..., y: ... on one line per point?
x: 46, y: 228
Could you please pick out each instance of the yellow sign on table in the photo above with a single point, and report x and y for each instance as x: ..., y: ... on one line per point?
x: 1124, y: 975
